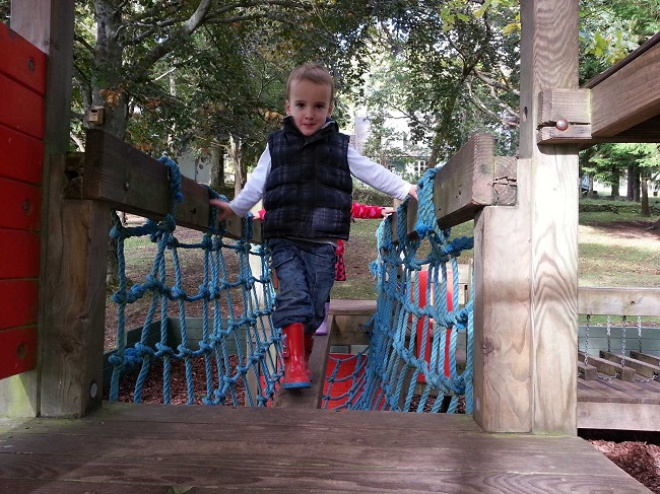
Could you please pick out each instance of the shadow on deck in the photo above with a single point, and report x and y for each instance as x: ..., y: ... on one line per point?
x: 161, y: 449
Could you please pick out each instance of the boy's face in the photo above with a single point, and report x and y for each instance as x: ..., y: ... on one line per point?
x: 309, y: 105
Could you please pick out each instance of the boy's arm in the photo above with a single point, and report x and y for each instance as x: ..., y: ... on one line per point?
x: 251, y: 193
x: 379, y: 177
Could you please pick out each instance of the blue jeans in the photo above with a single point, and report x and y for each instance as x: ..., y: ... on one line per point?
x: 306, y: 273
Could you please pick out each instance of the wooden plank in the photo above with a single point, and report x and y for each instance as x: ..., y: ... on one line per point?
x: 22, y: 61
x: 129, y: 180
x: 502, y: 388
x: 21, y: 156
x: 628, y: 96
x: 619, y: 301
x: 649, y: 359
x: 75, y: 289
x: 549, y: 60
x: 589, y: 372
x: 22, y: 109
x: 230, y: 450
x: 647, y: 131
x: 47, y: 24
x: 571, y: 105
x: 505, y: 186
x: 20, y: 255
x: 464, y: 185
x: 309, y: 398
x: 18, y: 352
x: 609, y: 368
x: 18, y: 303
x: 21, y: 208
x: 641, y: 368
x: 614, y: 416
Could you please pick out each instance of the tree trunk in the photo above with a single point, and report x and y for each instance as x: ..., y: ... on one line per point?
x: 107, y: 92
x: 235, y: 155
x: 645, y: 196
x: 615, y: 181
x: 217, y: 168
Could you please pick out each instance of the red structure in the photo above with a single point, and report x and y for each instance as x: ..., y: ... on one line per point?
x: 22, y: 85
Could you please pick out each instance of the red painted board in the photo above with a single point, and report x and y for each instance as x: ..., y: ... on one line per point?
x: 21, y: 205
x: 22, y: 61
x: 21, y: 156
x: 22, y: 109
x: 18, y: 351
x: 20, y: 254
x: 18, y: 303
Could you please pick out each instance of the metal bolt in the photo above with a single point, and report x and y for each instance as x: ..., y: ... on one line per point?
x: 561, y: 124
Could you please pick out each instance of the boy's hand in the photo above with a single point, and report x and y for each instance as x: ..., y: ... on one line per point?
x: 413, y: 191
x: 385, y: 212
x: 224, y: 212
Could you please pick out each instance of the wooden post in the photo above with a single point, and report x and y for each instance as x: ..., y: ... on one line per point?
x: 63, y: 380
x: 526, y: 310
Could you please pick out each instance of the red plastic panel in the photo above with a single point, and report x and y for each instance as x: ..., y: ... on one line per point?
x: 20, y: 254
x: 18, y: 303
x: 22, y: 61
x: 21, y: 204
x: 18, y: 351
x: 22, y: 109
x: 21, y: 156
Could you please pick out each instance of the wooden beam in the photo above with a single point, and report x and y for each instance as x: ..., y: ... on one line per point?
x: 570, y: 105
x: 619, y: 301
x: 607, y: 367
x: 466, y: 183
x: 628, y: 95
x: 49, y: 25
x: 72, y: 353
x: 640, y: 367
x: 637, y: 416
x: 129, y: 180
x: 549, y: 60
x: 581, y: 134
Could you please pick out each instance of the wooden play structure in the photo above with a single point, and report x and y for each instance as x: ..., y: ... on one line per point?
x: 56, y: 434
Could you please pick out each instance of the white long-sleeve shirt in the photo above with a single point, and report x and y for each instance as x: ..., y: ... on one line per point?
x: 361, y: 167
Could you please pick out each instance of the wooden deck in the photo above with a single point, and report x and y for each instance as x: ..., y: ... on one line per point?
x: 159, y: 449
x: 619, y: 404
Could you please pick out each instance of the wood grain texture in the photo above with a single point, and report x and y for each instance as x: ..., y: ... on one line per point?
x: 619, y: 301
x: 464, y: 184
x: 572, y: 105
x: 627, y: 97
x: 502, y: 344
x: 137, y: 448
x: 549, y: 60
x: 74, y: 286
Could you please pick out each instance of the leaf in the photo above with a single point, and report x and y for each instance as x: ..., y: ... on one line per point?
x: 180, y: 489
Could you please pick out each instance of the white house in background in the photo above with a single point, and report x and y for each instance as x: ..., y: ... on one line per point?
x: 416, y: 157
x: 197, y: 169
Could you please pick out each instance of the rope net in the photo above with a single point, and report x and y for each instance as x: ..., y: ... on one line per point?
x: 235, y: 357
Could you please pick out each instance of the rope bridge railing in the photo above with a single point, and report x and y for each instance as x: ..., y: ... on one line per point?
x: 412, y: 341
x: 228, y: 356
x: 241, y: 343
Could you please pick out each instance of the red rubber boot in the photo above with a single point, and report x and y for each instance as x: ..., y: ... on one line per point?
x: 295, y: 369
x: 309, y: 345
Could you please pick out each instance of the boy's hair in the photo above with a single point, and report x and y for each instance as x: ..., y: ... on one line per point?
x: 312, y: 72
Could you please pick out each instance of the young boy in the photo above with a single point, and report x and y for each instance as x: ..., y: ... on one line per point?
x: 304, y: 178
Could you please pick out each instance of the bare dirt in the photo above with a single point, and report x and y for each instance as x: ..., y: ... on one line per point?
x: 637, y: 453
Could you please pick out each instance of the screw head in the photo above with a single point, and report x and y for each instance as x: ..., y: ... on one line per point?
x: 561, y: 124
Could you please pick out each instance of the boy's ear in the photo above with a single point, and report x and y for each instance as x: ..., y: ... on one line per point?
x: 331, y: 108
x: 287, y: 107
